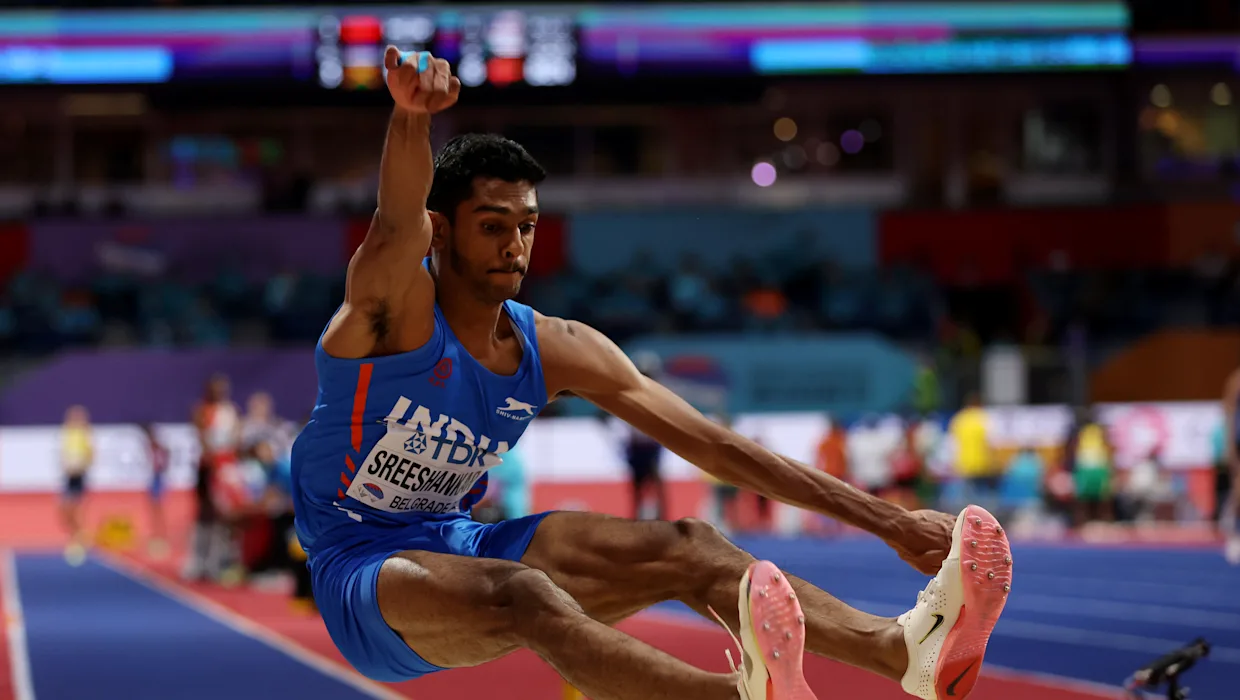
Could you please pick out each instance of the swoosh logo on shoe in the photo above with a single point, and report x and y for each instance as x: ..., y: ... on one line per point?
x: 938, y: 622
x: 951, y: 687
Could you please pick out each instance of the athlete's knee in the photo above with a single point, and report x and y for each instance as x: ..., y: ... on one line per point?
x: 530, y: 604
x: 707, y: 557
x: 702, y: 542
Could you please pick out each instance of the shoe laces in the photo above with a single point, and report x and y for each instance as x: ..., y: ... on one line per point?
x: 735, y: 640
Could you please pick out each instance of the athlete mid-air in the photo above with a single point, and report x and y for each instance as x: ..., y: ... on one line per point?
x: 429, y: 373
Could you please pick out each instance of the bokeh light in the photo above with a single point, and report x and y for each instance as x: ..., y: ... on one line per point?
x: 763, y: 174
x: 785, y: 129
x: 852, y: 141
x: 1220, y: 94
x: 1160, y: 96
x: 827, y: 154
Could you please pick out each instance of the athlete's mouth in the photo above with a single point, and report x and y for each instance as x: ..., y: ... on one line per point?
x: 511, y: 271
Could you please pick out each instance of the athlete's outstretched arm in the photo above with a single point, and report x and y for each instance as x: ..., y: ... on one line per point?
x: 385, y: 271
x: 579, y: 360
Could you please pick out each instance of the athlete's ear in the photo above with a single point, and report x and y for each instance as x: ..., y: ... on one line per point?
x: 439, y: 230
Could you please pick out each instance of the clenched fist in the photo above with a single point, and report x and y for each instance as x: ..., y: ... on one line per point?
x: 419, y: 82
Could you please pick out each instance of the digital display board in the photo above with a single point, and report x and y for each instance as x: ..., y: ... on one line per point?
x: 340, y: 48
x: 499, y: 47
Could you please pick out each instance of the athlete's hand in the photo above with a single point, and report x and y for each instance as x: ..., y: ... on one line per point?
x: 419, y: 82
x: 924, y: 540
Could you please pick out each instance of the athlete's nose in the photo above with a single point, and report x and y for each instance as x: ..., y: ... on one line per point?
x: 514, y: 246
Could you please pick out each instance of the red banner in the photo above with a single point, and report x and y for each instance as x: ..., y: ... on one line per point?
x: 14, y: 248
x: 995, y: 246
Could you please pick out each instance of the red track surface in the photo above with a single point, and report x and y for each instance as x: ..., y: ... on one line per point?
x: 30, y: 522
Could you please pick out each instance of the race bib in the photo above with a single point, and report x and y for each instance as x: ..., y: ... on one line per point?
x: 423, y: 465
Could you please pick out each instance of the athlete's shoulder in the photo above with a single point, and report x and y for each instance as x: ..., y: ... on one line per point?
x: 578, y: 358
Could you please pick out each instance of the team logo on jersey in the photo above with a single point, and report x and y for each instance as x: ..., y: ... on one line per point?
x: 417, y: 442
x: 516, y: 410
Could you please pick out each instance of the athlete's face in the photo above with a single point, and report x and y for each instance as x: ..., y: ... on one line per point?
x: 488, y: 245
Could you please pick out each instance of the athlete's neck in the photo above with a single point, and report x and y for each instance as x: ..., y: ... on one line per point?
x: 477, y: 324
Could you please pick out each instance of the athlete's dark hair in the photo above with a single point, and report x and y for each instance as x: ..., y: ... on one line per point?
x: 471, y: 156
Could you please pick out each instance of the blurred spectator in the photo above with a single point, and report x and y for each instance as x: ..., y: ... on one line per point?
x: 1092, y: 470
x: 907, y: 469
x: 1148, y: 493
x: 1020, y: 492
x: 262, y: 425
x: 643, y: 453
x: 975, y: 462
x: 1222, y: 470
x: 77, y: 455
x: 832, y: 453
x: 869, y: 454
x: 159, y: 457
x: 219, y: 433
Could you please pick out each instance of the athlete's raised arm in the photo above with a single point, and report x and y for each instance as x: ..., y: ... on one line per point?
x: 388, y: 295
x: 578, y: 360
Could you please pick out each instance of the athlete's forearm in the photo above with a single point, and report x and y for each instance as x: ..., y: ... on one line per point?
x: 753, y: 467
x: 405, y: 172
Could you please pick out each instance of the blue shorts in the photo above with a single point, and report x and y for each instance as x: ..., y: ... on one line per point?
x: 345, y: 579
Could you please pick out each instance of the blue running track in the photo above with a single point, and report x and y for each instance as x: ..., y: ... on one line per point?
x: 95, y: 633
x: 1093, y: 614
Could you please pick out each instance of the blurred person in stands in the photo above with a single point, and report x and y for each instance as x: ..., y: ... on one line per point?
x: 158, y: 455
x: 265, y: 523
x: 77, y: 454
x: 1092, y: 473
x: 975, y: 462
x: 927, y: 435
x: 1227, y: 478
x: 1148, y: 493
x: 870, y: 447
x: 831, y: 456
x: 1021, y: 488
x: 263, y: 424
x: 642, y: 453
x: 1222, y: 469
x: 907, y: 469
x: 218, y: 424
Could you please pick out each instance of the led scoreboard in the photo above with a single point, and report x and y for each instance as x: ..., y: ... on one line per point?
x: 500, y: 47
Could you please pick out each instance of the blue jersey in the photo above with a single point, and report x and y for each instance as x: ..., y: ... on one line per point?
x: 396, y: 439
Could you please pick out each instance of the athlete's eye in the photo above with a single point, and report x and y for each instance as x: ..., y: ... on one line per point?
x: 489, y: 227
x: 527, y: 229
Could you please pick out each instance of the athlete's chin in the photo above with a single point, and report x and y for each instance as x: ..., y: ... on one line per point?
x: 504, y: 292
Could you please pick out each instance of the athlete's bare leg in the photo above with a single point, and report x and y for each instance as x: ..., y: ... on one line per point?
x: 476, y: 610
x: 616, y: 567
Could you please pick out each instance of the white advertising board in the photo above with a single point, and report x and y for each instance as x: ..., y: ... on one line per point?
x: 569, y: 450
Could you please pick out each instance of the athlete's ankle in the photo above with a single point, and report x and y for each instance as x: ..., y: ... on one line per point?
x: 894, y: 653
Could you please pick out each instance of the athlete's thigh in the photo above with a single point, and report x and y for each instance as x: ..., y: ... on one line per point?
x: 614, y: 567
x: 453, y: 611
